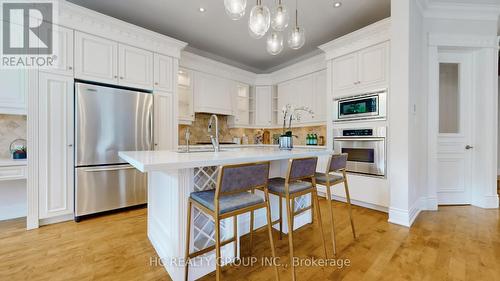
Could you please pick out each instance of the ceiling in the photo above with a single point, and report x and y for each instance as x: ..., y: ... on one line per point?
x: 214, y: 35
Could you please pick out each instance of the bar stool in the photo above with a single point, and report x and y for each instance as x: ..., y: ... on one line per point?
x: 294, y: 185
x: 336, y: 164
x: 231, y: 198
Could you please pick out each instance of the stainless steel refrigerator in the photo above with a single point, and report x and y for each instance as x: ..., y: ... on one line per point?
x: 108, y: 120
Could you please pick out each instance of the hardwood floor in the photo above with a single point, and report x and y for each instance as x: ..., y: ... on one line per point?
x: 456, y: 243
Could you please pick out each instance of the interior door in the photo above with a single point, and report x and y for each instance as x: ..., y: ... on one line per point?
x: 451, y: 147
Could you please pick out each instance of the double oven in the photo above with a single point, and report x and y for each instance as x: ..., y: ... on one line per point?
x: 366, y: 146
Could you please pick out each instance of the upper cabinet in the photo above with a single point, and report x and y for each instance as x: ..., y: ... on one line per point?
x: 96, y: 58
x: 241, y: 105
x: 14, y: 91
x: 309, y: 91
x: 263, y: 106
x: 185, y: 93
x: 63, y: 50
x: 135, y: 67
x: 163, y: 73
x: 101, y: 60
x: 212, y: 94
x: 362, y: 71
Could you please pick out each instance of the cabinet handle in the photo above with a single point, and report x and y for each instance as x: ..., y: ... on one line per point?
x: 115, y: 76
x: 70, y: 145
x: 121, y: 77
x: 70, y: 67
x: 156, y: 144
x: 156, y: 83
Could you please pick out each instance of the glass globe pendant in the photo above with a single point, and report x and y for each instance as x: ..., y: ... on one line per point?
x: 274, y: 43
x: 296, y: 36
x: 259, y: 20
x: 235, y: 9
x: 280, y: 17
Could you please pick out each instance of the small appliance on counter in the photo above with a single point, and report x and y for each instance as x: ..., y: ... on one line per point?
x: 18, y: 149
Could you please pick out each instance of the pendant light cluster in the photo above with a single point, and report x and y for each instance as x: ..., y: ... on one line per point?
x: 261, y: 20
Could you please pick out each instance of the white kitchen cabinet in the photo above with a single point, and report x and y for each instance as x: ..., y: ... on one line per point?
x: 63, y: 50
x: 361, y: 71
x: 286, y: 94
x: 212, y: 94
x: 96, y: 58
x: 186, y: 96
x: 304, y: 96
x: 263, y: 106
x: 163, y: 73
x: 55, y: 121
x: 135, y: 67
x: 241, y: 105
x: 13, y: 91
x: 163, y: 121
x: 319, y: 97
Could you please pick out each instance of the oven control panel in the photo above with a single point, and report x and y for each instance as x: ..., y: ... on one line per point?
x: 357, y: 133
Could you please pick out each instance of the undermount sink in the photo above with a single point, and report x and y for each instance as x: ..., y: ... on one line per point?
x: 200, y: 150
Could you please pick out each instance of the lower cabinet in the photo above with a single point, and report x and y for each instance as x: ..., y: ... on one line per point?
x: 164, y: 139
x: 55, y: 123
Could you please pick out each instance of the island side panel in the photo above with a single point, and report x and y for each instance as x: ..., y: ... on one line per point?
x: 168, y: 195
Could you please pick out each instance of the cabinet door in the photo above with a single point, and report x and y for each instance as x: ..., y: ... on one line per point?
x: 304, y: 96
x: 241, y: 105
x: 96, y: 58
x: 185, y: 93
x: 319, y: 97
x: 63, y: 50
x: 286, y: 91
x: 263, y: 96
x: 373, y: 65
x: 135, y: 67
x: 13, y: 91
x: 345, y: 73
x: 55, y: 121
x: 163, y: 121
x: 163, y: 73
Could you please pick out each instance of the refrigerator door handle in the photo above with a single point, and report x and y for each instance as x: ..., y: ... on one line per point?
x: 109, y: 168
x: 151, y: 129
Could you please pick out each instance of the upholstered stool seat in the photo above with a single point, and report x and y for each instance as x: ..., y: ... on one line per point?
x: 321, y: 178
x: 227, y: 203
x: 277, y: 185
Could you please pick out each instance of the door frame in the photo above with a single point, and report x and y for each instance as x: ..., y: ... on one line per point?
x: 484, y: 123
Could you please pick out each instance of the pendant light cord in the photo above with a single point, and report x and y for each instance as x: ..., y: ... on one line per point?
x: 296, y: 13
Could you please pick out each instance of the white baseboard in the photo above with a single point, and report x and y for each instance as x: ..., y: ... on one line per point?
x: 13, y: 212
x: 57, y: 219
x: 322, y: 193
x: 406, y: 217
x: 489, y: 202
x: 429, y: 204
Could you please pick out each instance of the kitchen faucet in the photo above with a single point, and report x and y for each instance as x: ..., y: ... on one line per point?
x: 214, y: 140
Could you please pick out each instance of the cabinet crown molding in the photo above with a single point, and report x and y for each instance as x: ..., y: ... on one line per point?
x: 86, y: 20
x: 370, y: 35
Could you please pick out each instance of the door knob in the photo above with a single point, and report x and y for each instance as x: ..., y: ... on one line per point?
x: 469, y: 147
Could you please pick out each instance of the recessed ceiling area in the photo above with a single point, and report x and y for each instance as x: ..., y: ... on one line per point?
x: 213, y: 34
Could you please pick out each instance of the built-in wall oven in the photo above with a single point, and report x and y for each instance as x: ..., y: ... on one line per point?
x: 361, y: 107
x: 365, y: 148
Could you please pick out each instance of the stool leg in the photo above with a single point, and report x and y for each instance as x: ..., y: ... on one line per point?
x: 235, y: 235
x: 217, y: 249
x: 188, y: 238
x: 251, y: 231
x: 281, y: 216
x: 348, y: 197
x: 270, y: 230
x: 318, y: 212
x: 330, y: 205
x: 290, y: 233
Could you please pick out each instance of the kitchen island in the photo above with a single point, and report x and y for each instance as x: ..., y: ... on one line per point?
x: 173, y: 176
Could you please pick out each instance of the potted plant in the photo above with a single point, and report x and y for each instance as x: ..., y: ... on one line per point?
x: 290, y: 113
x: 18, y: 149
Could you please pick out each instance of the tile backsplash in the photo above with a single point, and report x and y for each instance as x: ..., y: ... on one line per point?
x: 11, y: 127
x: 199, y: 131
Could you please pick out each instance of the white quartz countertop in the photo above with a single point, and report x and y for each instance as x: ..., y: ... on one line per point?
x: 12, y: 162
x: 147, y: 161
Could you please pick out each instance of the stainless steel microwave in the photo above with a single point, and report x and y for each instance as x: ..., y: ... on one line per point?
x: 361, y: 107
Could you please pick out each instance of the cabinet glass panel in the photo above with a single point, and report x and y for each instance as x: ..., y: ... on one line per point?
x: 449, y: 98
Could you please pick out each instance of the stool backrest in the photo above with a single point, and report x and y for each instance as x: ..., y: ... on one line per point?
x: 338, y: 162
x: 242, y: 177
x: 301, y: 168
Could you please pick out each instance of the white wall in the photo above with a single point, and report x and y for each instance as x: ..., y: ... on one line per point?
x: 13, y: 199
